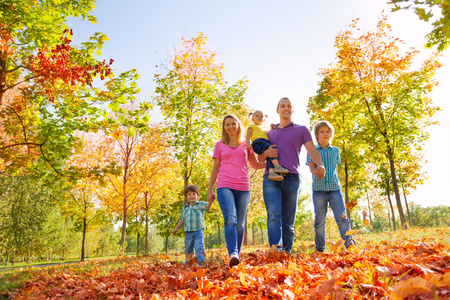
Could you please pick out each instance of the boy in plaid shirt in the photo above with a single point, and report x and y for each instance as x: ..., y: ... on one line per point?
x: 327, y: 190
x: 193, y: 217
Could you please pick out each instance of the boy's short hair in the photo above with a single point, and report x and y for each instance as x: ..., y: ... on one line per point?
x: 191, y: 188
x: 321, y: 124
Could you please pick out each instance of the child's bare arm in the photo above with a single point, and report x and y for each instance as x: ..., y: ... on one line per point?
x: 247, y: 138
x: 208, y: 206
x: 179, y: 224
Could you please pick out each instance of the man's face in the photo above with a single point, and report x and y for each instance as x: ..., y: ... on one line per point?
x: 285, y: 109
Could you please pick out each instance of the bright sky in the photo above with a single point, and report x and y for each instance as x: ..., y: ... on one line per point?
x: 279, y: 45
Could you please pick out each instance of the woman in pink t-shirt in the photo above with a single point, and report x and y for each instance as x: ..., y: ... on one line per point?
x: 230, y: 170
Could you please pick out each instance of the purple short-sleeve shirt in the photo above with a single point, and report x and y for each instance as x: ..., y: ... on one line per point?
x: 289, y: 141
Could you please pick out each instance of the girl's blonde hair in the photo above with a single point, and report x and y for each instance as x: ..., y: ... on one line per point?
x: 250, y: 114
x: 225, y: 136
x: 321, y: 124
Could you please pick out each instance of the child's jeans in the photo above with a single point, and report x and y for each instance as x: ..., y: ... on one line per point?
x: 321, y: 200
x: 193, y: 240
x: 259, y: 146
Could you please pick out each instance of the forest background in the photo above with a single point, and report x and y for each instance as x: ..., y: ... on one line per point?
x: 93, y: 164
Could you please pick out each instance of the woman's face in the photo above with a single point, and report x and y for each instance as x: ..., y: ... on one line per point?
x: 231, y: 126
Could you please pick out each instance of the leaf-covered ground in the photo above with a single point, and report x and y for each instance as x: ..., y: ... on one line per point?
x: 397, y: 267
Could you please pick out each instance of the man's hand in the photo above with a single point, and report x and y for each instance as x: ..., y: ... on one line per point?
x: 320, y: 172
x: 271, y: 151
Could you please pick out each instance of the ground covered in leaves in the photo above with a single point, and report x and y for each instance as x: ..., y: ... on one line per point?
x: 398, y: 268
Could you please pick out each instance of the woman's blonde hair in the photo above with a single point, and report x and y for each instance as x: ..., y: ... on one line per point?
x: 225, y: 136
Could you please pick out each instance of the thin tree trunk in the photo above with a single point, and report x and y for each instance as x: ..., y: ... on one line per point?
x: 368, y: 205
x: 137, y: 244
x: 218, y: 230
x: 397, y: 194
x: 390, y: 204
x: 389, y: 219
x: 407, y: 207
x: 245, y: 232
x: 167, y: 241
x: 346, y: 193
x: 83, y: 241
x: 146, y: 224
x: 262, y: 234
x: 253, y: 233
x: 124, y: 227
x: 6, y: 258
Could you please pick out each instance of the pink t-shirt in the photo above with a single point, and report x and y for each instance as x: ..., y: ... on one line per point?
x: 233, y: 170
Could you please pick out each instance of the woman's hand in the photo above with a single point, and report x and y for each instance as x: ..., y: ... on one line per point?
x: 211, y: 196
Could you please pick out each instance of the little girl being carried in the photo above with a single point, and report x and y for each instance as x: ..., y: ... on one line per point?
x: 257, y: 139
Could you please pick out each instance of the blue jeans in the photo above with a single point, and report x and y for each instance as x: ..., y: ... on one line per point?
x: 259, y: 146
x: 193, y: 240
x: 281, y: 199
x: 321, y: 200
x: 234, y: 205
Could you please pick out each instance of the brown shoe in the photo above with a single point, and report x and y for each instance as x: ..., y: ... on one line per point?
x: 280, y: 170
x: 275, y: 177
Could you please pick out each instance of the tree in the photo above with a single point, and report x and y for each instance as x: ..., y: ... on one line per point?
x: 440, y: 35
x: 337, y: 102
x: 395, y: 106
x: 192, y: 94
x: 46, y: 83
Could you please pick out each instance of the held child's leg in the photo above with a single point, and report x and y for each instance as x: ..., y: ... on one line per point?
x: 189, y: 245
x: 338, y: 207
x: 198, y: 246
x: 320, y: 201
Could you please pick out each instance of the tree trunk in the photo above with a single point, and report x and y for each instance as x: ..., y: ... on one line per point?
x: 124, y: 227
x: 368, y: 205
x: 206, y: 241
x: 167, y: 241
x: 253, y: 233
x: 6, y: 258
x: 390, y: 204
x: 83, y: 240
x: 346, y: 192
x: 2, y: 79
x: 137, y: 243
x: 262, y: 234
x: 218, y: 230
x: 146, y: 235
x: 245, y: 232
x: 407, y: 206
x: 389, y: 219
x: 13, y: 257
x: 397, y: 194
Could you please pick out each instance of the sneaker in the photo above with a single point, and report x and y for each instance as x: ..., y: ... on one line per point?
x: 234, y: 260
x: 279, y: 169
x: 275, y: 177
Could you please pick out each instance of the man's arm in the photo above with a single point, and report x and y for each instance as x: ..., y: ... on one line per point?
x: 270, y: 152
x: 316, y: 158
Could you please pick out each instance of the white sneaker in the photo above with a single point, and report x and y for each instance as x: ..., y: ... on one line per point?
x: 234, y: 260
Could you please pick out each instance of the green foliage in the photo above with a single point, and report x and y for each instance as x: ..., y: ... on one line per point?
x: 432, y: 216
x: 192, y: 95
x: 425, y: 10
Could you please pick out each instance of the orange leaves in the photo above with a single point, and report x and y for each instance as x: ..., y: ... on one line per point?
x: 351, y: 204
x: 395, y: 269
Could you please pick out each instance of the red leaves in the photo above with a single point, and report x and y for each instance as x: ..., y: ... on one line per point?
x: 399, y: 269
x: 65, y: 63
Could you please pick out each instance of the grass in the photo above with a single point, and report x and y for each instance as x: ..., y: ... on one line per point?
x: 13, y: 279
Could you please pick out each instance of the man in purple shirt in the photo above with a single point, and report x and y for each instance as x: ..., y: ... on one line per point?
x: 281, y: 197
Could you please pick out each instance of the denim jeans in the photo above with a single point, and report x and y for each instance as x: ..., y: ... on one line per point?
x: 234, y: 205
x: 281, y: 199
x: 321, y: 200
x: 259, y: 146
x: 193, y: 240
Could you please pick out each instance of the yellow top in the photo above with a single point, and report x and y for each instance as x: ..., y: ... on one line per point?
x: 257, y: 132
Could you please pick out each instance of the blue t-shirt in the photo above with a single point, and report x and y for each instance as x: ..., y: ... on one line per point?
x: 331, y: 158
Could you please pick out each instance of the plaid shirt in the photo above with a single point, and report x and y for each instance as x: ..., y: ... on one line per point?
x: 331, y: 158
x: 194, y: 216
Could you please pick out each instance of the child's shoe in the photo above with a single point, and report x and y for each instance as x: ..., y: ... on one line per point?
x: 274, y: 176
x: 279, y: 169
x: 234, y: 260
